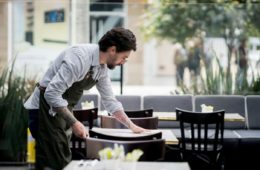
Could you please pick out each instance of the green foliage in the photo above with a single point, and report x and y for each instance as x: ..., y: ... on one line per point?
x: 218, y: 81
x: 181, y: 20
x: 250, y: 89
x: 13, y: 116
x: 178, y: 20
x: 255, y: 88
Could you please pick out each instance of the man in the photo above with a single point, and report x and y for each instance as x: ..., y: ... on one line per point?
x: 76, y: 69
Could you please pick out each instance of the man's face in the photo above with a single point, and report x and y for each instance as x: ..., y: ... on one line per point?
x: 116, y: 59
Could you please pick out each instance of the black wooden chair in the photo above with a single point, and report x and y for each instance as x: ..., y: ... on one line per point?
x: 145, y: 122
x: 77, y: 144
x: 139, y: 113
x: 86, y: 116
x: 152, y: 136
x: 201, y: 141
x: 153, y: 150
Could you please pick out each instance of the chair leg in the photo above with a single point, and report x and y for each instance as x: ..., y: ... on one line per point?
x: 172, y: 154
x: 222, y: 165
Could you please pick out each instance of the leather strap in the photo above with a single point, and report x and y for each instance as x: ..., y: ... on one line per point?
x: 40, y: 87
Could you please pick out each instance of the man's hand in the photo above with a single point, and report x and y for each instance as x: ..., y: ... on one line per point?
x: 79, y: 130
x: 123, y: 118
x: 137, y: 129
x: 77, y: 127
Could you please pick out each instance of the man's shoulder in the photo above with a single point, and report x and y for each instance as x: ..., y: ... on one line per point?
x: 85, y: 46
x: 84, y: 49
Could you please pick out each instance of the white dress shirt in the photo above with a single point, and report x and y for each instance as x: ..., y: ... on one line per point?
x: 71, y: 66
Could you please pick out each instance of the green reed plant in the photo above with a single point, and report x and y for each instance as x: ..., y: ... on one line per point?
x: 217, y: 80
x: 13, y: 116
x: 255, y: 88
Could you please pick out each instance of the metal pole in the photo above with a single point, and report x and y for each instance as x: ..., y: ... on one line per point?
x: 121, y: 79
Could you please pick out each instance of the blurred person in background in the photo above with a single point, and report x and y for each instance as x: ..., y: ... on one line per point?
x: 194, y: 56
x: 242, y: 63
x: 180, y: 61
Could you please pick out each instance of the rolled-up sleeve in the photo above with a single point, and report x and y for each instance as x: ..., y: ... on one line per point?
x: 107, y: 97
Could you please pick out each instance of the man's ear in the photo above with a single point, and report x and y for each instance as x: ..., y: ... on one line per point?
x: 112, y: 49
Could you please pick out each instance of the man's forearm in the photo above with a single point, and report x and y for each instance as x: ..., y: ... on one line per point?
x: 66, y: 114
x: 123, y: 118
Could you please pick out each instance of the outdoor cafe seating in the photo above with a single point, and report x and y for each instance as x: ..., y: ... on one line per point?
x: 241, y: 132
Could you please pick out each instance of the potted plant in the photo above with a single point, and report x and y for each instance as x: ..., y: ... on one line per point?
x: 112, y: 157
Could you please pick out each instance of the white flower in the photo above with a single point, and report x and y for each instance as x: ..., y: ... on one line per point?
x: 205, y: 108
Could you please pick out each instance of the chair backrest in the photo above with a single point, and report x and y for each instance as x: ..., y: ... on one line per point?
x: 88, y: 97
x: 145, y: 122
x: 253, y: 111
x: 229, y: 103
x: 139, y: 113
x: 167, y: 103
x: 195, y: 135
x: 95, y: 134
x: 78, y: 144
x: 86, y: 115
x: 153, y: 150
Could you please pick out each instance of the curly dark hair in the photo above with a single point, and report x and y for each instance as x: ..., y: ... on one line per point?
x: 122, y: 38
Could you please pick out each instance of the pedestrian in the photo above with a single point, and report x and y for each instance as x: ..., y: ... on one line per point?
x: 242, y: 62
x: 180, y: 61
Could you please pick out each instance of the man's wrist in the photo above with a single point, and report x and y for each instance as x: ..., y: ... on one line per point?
x: 123, y: 118
x: 131, y: 124
x: 66, y: 115
x: 70, y: 120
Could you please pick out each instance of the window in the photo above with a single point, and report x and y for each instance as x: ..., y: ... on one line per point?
x: 109, y: 5
x: 104, y: 15
x: 54, y: 16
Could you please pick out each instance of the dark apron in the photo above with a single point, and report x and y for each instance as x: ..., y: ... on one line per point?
x: 53, y: 143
